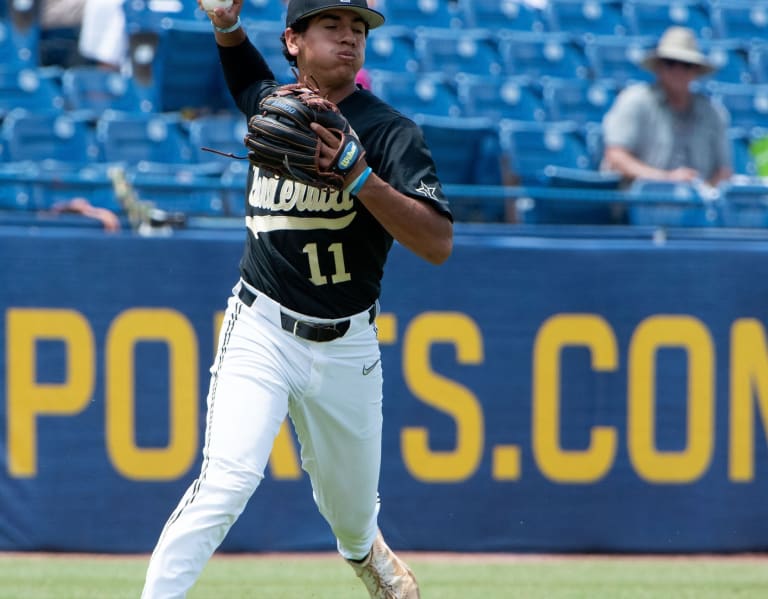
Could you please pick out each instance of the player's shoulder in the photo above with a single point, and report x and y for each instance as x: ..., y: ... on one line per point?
x: 370, y: 111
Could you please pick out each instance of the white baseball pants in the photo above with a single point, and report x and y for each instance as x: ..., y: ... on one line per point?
x: 262, y: 373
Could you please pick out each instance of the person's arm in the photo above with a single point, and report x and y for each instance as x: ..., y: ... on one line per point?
x: 619, y: 159
x: 241, y: 62
x: 723, y: 174
x: 416, y: 225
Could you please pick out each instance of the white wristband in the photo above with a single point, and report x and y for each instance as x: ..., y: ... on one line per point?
x: 229, y: 29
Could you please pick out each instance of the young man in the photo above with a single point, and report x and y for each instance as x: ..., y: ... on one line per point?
x: 298, y: 336
x: 665, y: 131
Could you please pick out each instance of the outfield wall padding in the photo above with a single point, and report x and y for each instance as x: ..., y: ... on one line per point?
x: 558, y: 395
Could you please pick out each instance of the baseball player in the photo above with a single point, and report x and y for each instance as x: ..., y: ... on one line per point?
x: 299, y: 336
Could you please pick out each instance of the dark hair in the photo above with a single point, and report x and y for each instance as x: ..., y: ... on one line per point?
x: 301, y: 26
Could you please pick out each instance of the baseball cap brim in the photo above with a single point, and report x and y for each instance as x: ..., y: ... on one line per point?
x: 373, y: 18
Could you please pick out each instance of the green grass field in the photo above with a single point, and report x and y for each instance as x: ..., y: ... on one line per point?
x: 46, y: 576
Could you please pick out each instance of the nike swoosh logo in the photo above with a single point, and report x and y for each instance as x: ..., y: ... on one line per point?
x: 368, y: 369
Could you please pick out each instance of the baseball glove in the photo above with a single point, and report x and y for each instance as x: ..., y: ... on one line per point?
x: 280, y: 139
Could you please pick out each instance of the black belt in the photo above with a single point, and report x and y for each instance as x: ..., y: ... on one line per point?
x: 311, y: 331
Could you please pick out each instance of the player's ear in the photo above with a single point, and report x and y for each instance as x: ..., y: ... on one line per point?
x: 292, y: 42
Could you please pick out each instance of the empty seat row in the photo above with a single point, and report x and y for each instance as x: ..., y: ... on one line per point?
x: 116, y: 136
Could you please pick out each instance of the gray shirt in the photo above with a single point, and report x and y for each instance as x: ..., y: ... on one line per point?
x: 641, y: 122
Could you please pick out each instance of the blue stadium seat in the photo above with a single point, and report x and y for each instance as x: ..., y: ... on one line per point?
x: 500, y: 97
x: 503, y: 15
x: 29, y: 89
x: 35, y: 135
x: 264, y: 10
x: 457, y: 51
x: 653, y: 17
x: 131, y: 137
x: 418, y: 13
x: 466, y: 152
x: 757, y: 53
x: 618, y: 57
x: 391, y: 48
x: 92, y: 90
x: 530, y: 147
x: 175, y: 64
x: 747, y: 105
x: 541, y: 55
x: 15, y: 54
x: 412, y: 93
x: 593, y: 17
x: 222, y: 132
x: 266, y: 35
x: 16, y: 185
x: 743, y: 162
x: 745, y: 203
x: 740, y: 19
x: 671, y: 204
x: 154, y: 15
x: 578, y: 100
x: 191, y: 189
x: 731, y: 59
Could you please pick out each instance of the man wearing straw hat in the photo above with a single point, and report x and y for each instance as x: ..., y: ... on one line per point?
x: 664, y: 130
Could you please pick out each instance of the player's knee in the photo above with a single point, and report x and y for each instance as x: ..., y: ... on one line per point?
x: 230, y: 484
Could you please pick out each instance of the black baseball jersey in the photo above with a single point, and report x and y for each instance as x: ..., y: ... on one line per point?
x: 316, y: 251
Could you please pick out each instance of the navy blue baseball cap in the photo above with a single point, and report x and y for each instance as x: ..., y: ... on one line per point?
x: 301, y: 9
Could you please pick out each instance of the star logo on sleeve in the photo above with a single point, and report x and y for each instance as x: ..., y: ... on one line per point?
x: 427, y: 190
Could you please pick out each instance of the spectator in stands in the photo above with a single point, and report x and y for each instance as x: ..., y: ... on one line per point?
x: 103, y: 36
x: 664, y: 130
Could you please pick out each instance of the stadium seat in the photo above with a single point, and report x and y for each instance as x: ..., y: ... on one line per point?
x: 500, y: 97
x: 191, y: 189
x: 15, y: 54
x: 466, y: 152
x: 745, y: 203
x: 222, y: 132
x: 16, y: 185
x: 503, y: 15
x: 743, y: 162
x: 418, y: 13
x: 391, y: 48
x: 36, y: 135
x: 653, y: 17
x: 757, y: 53
x: 671, y: 204
x: 731, y: 59
x: 92, y: 90
x: 529, y: 147
x: 264, y: 10
x: 175, y: 64
x: 29, y: 89
x: 593, y: 17
x: 156, y: 14
x: 411, y: 93
x: 541, y: 55
x: 740, y: 19
x: 618, y: 57
x: 578, y: 100
x: 746, y: 105
x: 268, y: 35
x: 131, y: 137
x: 457, y: 51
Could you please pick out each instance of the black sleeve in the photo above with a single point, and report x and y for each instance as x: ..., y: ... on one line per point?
x: 243, y: 65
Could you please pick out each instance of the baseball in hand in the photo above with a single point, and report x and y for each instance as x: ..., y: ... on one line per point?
x: 210, y: 5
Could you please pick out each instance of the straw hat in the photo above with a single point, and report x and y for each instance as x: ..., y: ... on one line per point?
x: 678, y: 43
